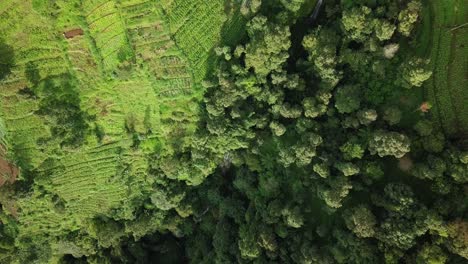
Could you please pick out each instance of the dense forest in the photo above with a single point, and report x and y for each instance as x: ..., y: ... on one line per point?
x: 309, y: 137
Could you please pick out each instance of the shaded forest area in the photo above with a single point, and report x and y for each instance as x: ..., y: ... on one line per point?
x: 313, y: 144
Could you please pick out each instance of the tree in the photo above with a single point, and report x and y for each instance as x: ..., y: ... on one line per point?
x: 384, y: 30
x: 372, y: 172
x: 390, y: 50
x: 397, y: 198
x: 321, y: 47
x: 431, y: 254
x: 458, y: 237
x: 352, y: 150
x: 293, y: 217
x: 392, y: 115
x: 385, y: 143
x: 347, y: 99
x: 361, y: 221
x: 423, y: 127
x: 415, y: 73
x: 248, y: 246
x: 278, y: 129
x: 322, y: 169
x: 311, y: 108
x: 60, y: 105
x: 357, y: 23
x: 250, y: 7
x: 408, y: 17
x: 292, y: 5
x: 335, y: 191
x: 367, y: 116
x: 267, y: 50
x: 289, y: 111
x: 347, y: 168
x: 348, y: 248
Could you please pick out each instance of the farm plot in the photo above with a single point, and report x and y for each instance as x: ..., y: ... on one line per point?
x: 39, y: 215
x: 169, y: 70
x: 38, y: 55
x: 85, y: 184
x: 449, y: 57
x: 197, y: 27
x: 107, y: 30
x: 157, y: 102
x: 152, y: 43
x: 23, y: 127
x: 124, y: 107
x: 37, y: 52
x: 85, y: 68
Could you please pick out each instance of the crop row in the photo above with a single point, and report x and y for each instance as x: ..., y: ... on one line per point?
x: 147, y: 32
x: 107, y: 30
x: 441, y: 90
x: 43, y: 216
x: 196, y: 26
x: 458, y: 68
x: 152, y: 42
x: 140, y: 13
x: 82, y: 61
x: 34, y: 41
x: 24, y: 128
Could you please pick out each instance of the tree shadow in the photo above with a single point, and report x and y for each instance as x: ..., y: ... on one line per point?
x: 60, y: 103
x: 6, y: 59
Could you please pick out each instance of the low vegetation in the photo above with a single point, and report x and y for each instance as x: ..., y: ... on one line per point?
x: 446, y: 31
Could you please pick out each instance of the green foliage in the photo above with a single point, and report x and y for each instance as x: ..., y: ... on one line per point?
x: 352, y: 151
x: 414, y: 73
x: 60, y: 104
x: 458, y: 232
x: 392, y: 115
x: 367, y: 116
x: 267, y: 50
x: 397, y: 197
x: 321, y: 47
x: 357, y: 23
x: 361, y: 221
x: 384, y: 30
x: 223, y: 132
x: 347, y: 99
x: 408, y: 17
x: 431, y: 254
x: 347, y: 168
x: 277, y: 128
x: 385, y: 143
x: 250, y: 7
x: 322, y: 169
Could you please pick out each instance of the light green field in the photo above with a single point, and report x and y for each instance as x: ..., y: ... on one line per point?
x: 137, y: 71
x: 445, y: 43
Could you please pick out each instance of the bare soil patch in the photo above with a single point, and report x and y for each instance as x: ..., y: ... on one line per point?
x: 73, y: 33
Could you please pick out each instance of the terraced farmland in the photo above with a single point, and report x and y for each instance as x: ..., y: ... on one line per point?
x: 447, y: 36
x: 196, y: 36
x: 133, y: 77
x: 108, y: 32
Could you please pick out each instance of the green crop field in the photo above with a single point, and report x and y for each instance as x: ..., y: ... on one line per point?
x: 446, y: 32
x: 134, y: 75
